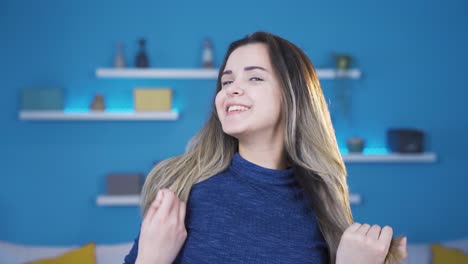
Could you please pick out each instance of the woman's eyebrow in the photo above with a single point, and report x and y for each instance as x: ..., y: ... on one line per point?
x: 248, y: 68
x: 227, y: 72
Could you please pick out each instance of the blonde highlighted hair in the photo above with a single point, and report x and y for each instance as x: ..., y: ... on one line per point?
x: 310, y: 145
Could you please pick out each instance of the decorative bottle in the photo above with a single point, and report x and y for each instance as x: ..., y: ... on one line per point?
x: 142, y: 58
x: 207, y: 56
x: 119, y: 60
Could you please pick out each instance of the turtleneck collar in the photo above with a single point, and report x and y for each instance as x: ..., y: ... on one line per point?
x: 247, y: 169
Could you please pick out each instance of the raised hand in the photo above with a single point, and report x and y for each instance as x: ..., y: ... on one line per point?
x: 365, y: 244
x: 163, y: 232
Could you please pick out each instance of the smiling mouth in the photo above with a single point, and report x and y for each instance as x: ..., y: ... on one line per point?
x: 234, y: 109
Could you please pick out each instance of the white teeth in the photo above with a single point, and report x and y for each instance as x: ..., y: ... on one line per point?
x: 237, y: 107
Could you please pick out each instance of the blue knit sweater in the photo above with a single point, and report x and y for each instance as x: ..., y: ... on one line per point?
x: 249, y: 214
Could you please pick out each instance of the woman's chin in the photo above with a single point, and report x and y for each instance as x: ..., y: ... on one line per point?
x: 236, y: 132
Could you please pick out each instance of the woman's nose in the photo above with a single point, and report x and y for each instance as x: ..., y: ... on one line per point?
x: 234, y: 89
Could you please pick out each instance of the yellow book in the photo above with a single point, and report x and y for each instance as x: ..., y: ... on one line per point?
x: 152, y: 99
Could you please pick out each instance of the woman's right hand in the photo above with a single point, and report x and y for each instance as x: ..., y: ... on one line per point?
x: 163, y: 232
x: 365, y: 244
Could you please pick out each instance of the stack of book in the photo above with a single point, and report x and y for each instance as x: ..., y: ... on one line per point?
x: 152, y: 99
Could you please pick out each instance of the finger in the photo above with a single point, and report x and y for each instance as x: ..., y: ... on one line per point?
x: 402, y: 246
x: 175, y: 208
x: 157, y: 201
x: 363, y: 229
x: 154, y: 206
x: 374, y: 232
x: 182, y: 210
x: 386, y: 236
x: 354, y: 227
x: 386, y: 233
x: 166, y: 204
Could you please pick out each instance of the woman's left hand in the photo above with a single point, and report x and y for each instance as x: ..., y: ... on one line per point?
x: 363, y: 244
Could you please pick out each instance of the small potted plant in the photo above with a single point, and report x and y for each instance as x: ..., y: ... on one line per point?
x: 342, y: 89
x: 342, y: 61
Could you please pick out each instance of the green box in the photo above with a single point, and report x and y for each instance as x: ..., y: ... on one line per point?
x: 42, y: 99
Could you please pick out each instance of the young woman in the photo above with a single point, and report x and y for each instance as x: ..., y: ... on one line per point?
x: 264, y: 180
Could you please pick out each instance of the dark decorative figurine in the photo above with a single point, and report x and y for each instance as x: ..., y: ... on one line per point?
x: 142, y: 58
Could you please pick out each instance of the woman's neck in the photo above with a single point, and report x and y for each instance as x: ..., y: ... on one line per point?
x: 269, y: 156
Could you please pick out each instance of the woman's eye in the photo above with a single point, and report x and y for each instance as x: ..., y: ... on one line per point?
x: 256, y: 79
x: 226, y: 83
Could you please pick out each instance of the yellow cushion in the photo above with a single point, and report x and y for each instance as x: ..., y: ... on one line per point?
x: 83, y: 255
x: 443, y: 255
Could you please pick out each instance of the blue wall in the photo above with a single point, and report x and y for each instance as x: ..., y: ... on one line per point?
x: 413, y: 55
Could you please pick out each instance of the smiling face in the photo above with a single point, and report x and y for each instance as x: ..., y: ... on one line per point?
x: 249, y: 102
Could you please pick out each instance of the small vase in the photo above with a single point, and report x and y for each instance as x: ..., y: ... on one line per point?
x: 119, y: 60
x: 355, y: 145
x: 98, y: 103
x: 207, y: 56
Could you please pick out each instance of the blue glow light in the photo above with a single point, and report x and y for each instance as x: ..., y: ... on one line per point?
x: 120, y: 110
x: 369, y: 151
x: 72, y: 110
x: 376, y: 150
x: 76, y: 110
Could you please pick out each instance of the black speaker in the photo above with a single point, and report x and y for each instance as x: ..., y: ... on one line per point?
x: 405, y: 140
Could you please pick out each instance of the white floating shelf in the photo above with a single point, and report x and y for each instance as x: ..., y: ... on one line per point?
x: 389, y: 158
x: 334, y: 74
x: 355, y: 198
x: 118, y: 200
x: 155, y: 73
x: 134, y: 200
x: 61, y: 116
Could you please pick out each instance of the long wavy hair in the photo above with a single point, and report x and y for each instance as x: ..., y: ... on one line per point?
x: 310, y: 145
